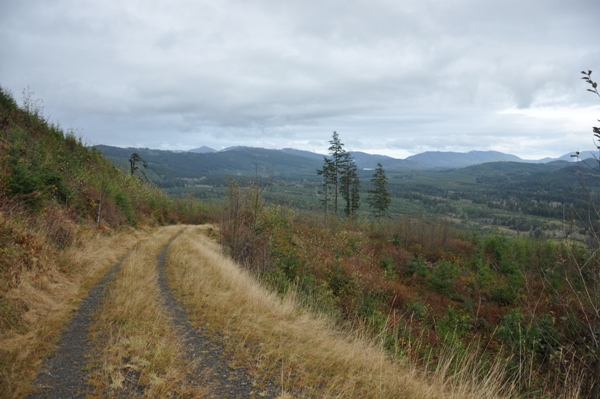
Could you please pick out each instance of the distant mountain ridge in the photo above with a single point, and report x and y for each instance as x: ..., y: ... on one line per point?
x: 202, y: 150
x: 165, y: 165
x: 370, y: 161
x: 243, y: 159
x: 460, y: 160
x: 431, y: 159
x: 441, y: 159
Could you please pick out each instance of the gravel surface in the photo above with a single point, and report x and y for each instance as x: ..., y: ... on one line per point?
x: 207, y: 355
x: 63, y: 374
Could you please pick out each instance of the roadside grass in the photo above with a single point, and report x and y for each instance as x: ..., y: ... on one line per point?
x: 137, y: 351
x: 64, y: 212
x: 51, y: 284
x: 303, y: 352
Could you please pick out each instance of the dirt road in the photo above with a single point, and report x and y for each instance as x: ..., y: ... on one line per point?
x: 107, y: 353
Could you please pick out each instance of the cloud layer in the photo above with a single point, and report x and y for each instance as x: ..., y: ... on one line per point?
x: 392, y: 77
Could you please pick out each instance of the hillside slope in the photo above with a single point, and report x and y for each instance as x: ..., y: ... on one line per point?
x: 168, y: 165
x: 65, y: 214
x: 460, y: 160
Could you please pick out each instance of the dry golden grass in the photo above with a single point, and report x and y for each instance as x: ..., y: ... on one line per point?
x: 48, y: 292
x: 304, y: 353
x: 138, y: 351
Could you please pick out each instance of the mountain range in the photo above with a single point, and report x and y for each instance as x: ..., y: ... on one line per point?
x: 425, y: 160
x: 205, y: 161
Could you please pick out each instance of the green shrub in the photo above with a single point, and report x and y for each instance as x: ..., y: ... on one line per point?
x: 417, y: 266
x: 454, y: 325
x: 418, y: 310
x: 7, y: 102
x: 519, y: 334
x: 289, y: 264
x: 442, y: 276
x: 549, y: 335
x: 387, y: 264
x: 33, y: 183
x: 340, y: 282
x: 123, y: 204
x: 503, y: 295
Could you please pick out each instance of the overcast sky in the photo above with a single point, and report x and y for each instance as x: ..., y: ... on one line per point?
x: 391, y: 77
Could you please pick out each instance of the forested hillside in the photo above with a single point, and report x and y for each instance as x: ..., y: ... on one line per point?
x: 459, y: 160
x: 515, y: 196
x: 166, y: 166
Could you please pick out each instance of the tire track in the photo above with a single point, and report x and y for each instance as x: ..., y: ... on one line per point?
x: 63, y: 374
x: 207, y: 355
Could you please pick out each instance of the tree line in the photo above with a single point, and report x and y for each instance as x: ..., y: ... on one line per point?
x: 340, y: 179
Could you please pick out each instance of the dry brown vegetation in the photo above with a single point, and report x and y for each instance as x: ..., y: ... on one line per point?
x: 304, y: 352
x: 426, y: 288
x: 45, y: 286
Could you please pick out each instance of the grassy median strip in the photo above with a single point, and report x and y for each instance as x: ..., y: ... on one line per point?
x: 303, y: 352
x: 138, y: 352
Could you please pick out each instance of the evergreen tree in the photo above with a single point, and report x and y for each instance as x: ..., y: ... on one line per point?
x: 134, y: 162
x: 355, y: 193
x: 379, y: 198
x: 340, y: 177
x: 350, y: 185
x: 338, y: 157
x: 329, y: 182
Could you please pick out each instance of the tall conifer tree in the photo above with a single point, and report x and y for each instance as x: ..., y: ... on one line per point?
x: 340, y: 177
x: 329, y: 183
x: 350, y: 185
x: 379, y: 197
x: 338, y: 155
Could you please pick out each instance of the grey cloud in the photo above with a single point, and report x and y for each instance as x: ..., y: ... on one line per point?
x: 412, y: 75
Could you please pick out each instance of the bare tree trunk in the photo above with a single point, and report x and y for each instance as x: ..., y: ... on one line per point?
x: 99, y: 210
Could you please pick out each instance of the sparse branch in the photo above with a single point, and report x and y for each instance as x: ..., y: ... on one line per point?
x: 585, y: 290
x: 588, y: 78
x: 134, y: 162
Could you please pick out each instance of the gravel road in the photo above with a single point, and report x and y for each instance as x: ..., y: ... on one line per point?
x: 64, y: 373
x: 207, y: 355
